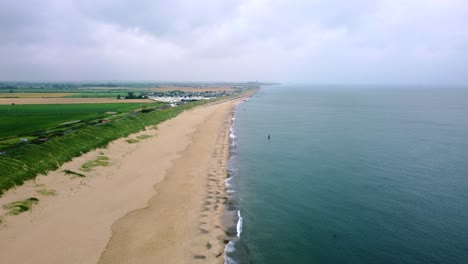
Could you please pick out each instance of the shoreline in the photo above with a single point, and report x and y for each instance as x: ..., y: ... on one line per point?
x: 81, y: 215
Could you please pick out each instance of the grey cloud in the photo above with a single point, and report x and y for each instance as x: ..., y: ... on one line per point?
x: 162, y: 18
x: 279, y: 40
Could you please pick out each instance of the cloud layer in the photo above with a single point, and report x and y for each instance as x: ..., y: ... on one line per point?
x: 356, y: 41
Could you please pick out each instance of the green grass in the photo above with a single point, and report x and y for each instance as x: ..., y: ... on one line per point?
x: 17, y: 120
x: 19, y: 207
x: 47, y: 192
x: 132, y: 140
x: 99, y: 161
x: 13, y: 141
x: 70, y: 172
x: 143, y: 137
x: 100, y: 94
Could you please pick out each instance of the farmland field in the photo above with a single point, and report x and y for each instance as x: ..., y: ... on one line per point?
x: 17, y: 101
x: 18, y: 120
x: 33, y: 95
x: 112, y: 94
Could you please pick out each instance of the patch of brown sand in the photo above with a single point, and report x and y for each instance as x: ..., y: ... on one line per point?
x: 184, y: 157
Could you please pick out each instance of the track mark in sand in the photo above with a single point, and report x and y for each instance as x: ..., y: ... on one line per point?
x: 209, y: 243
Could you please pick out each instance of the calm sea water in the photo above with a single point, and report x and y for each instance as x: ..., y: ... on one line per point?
x: 351, y: 175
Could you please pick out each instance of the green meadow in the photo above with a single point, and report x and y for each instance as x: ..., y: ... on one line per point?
x: 20, y: 120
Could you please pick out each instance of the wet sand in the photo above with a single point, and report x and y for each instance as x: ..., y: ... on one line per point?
x: 160, y: 200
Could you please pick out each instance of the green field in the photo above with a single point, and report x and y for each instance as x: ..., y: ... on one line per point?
x: 19, y: 120
x: 100, y: 94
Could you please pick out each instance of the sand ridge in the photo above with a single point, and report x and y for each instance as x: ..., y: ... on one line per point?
x: 75, y: 225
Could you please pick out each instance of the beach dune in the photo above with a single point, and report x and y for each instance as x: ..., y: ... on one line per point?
x: 160, y: 200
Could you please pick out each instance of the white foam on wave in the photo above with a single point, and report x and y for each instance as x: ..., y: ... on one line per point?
x: 232, y: 136
x: 228, y: 184
x: 239, y: 224
x: 230, y: 246
x: 232, y: 133
x: 228, y: 249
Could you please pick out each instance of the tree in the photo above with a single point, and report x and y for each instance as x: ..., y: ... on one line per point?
x: 130, y: 96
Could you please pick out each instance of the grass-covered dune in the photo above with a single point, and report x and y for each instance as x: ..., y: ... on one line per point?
x: 28, y: 160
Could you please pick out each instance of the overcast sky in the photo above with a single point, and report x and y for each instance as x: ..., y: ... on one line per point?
x: 316, y: 41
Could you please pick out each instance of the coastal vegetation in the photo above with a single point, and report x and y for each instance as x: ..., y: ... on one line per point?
x: 74, y: 173
x: 143, y: 137
x: 47, y: 192
x: 138, y: 139
x: 21, y: 206
x: 99, y: 161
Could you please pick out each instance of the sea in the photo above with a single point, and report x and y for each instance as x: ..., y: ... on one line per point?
x: 350, y: 174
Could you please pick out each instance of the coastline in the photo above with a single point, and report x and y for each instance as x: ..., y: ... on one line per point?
x: 75, y: 225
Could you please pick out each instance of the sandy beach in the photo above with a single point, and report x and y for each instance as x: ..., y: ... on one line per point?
x: 160, y: 200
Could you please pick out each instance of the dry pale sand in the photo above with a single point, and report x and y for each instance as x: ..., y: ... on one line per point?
x: 159, y: 201
x: 18, y: 101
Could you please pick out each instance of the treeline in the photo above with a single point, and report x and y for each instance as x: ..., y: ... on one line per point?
x: 132, y: 95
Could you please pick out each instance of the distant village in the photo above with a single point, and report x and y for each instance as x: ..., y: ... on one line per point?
x: 177, y: 96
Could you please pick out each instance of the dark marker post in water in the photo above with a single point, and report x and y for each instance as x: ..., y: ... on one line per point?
x: 268, y: 136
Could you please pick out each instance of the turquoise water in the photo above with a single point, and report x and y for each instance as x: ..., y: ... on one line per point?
x: 351, y: 175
